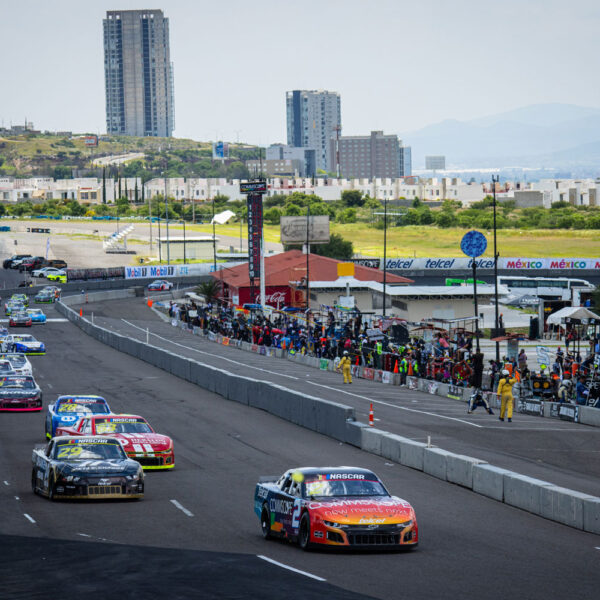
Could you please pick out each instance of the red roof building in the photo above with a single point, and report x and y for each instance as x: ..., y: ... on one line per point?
x: 285, y: 279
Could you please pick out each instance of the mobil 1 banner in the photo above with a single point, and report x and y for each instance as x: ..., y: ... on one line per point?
x: 255, y: 223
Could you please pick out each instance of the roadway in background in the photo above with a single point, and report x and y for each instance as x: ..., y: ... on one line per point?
x: 471, y: 546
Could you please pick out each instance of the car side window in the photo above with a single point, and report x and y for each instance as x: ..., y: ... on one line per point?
x: 49, y: 449
x: 296, y: 489
x: 87, y: 426
x: 285, y: 487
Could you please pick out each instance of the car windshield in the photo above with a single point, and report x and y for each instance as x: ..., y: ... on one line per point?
x: 24, y: 338
x: 122, y: 425
x: 23, y: 383
x: 5, y: 366
x: 34, y: 311
x: 83, y: 406
x: 16, y: 359
x: 322, y: 486
x: 85, y: 450
x: 21, y: 315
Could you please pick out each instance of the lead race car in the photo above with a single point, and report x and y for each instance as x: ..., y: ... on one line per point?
x: 334, y: 506
x: 85, y: 467
x: 67, y: 410
x: 151, y: 450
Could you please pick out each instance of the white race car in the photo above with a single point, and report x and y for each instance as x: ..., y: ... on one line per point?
x: 20, y: 363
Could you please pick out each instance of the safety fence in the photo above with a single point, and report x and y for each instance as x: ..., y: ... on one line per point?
x: 572, y: 508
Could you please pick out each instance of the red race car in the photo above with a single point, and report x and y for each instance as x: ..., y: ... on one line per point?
x: 334, y: 506
x: 20, y: 319
x: 151, y: 450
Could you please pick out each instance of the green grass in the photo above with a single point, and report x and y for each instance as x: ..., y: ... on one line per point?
x: 425, y: 241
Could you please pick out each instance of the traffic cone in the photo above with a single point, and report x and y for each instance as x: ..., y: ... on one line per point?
x: 81, y: 312
x: 396, y: 366
x: 410, y: 369
x: 150, y: 303
x: 371, y: 421
x: 357, y: 359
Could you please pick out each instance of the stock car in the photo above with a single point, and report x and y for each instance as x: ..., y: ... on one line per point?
x: 67, y: 410
x: 85, y: 467
x: 20, y: 319
x: 6, y: 368
x: 334, y: 506
x: 151, y: 450
x: 37, y: 315
x: 45, y: 271
x: 19, y: 393
x: 44, y: 297
x: 24, y: 343
x: 20, y: 299
x: 19, y: 362
x: 60, y: 276
x: 159, y: 285
x: 12, y: 306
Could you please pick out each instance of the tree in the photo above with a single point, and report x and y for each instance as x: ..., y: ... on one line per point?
x: 211, y: 289
x: 337, y: 247
x: 272, y: 215
x: 353, y: 198
x: 348, y: 215
x: 445, y: 218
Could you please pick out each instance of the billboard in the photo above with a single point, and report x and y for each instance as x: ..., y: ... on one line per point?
x: 90, y: 140
x: 255, y: 223
x: 435, y: 163
x: 220, y: 150
x: 253, y: 187
x: 293, y: 230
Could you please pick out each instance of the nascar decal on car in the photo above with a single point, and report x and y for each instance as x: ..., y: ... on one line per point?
x: 342, y: 476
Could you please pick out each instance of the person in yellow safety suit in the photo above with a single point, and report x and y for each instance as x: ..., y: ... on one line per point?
x: 505, y: 386
x: 346, y: 365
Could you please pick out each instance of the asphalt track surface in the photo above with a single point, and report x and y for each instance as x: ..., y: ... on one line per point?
x: 470, y: 546
x: 564, y: 453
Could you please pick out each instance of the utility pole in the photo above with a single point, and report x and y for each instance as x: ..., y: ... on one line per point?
x: 214, y: 237
x: 307, y: 260
x: 495, y: 180
x: 384, y: 252
x: 167, y: 217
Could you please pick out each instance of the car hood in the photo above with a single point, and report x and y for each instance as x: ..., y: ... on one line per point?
x: 157, y: 442
x: 85, y: 467
x: 355, y: 511
x: 18, y: 392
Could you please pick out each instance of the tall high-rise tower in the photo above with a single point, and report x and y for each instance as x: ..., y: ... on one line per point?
x: 313, y: 118
x: 138, y: 73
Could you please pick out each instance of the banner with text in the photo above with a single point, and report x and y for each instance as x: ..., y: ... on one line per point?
x: 164, y: 271
x: 255, y: 223
x: 486, y: 263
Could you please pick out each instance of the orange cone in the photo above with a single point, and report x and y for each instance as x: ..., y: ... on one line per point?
x: 357, y: 359
x: 371, y: 420
x: 396, y: 366
x: 150, y: 303
x: 81, y: 312
x: 410, y: 369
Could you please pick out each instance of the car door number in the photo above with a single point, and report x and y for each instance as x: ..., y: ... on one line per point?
x: 296, y: 512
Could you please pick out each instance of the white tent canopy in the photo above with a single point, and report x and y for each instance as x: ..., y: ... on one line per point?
x: 223, y: 217
x: 574, y: 312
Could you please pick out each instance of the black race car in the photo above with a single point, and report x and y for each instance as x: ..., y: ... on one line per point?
x: 19, y: 393
x: 89, y: 467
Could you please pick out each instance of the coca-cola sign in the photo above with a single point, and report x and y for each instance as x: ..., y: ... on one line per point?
x: 276, y: 298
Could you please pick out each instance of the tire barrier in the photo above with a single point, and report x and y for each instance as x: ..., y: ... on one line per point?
x: 569, y: 507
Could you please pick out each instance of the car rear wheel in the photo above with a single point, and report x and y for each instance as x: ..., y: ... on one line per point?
x: 265, y: 523
x: 34, y: 481
x: 304, y: 532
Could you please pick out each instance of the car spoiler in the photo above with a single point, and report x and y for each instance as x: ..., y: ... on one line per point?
x: 268, y: 478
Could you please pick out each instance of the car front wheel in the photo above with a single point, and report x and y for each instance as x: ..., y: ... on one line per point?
x: 265, y: 523
x: 304, y: 532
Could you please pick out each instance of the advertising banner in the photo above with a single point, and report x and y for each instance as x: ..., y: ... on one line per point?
x: 373, y: 263
x: 293, y: 230
x: 255, y: 223
x: 162, y: 271
x: 516, y: 264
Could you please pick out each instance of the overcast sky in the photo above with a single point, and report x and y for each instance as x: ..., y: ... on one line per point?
x: 398, y: 64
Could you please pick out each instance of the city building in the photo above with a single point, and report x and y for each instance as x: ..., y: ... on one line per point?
x: 371, y: 156
x: 284, y: 167
x: 306, y: 155
x: 138, y: 73
x: 313, y: 118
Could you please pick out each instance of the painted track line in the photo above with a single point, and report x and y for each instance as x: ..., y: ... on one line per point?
x: 183, y: 509
x: 217, y: 356
x: 414, y: 410
x: 29, y: 518
x: 305, y: 573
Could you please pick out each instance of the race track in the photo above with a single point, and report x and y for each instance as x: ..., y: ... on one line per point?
x: 195, y: 534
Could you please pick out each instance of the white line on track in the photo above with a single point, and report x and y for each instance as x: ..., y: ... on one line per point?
x: 6, y: 483
x: 28, y: 517
x: 50, y: 385
x: 423, y: 412
x: 183, y: 509
x: 17, y: 498
x: 290, y: 568
x: 84, y: 535
x: 237, y: 363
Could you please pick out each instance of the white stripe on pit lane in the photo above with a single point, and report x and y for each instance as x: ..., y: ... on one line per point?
x: 182, y: 508
x: 237, y: 363
x: 305, y: 573
x: 414, y: 410
x: 29, y: 518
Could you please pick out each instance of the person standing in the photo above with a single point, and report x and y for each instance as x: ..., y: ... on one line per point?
x: 505, y: 387
x: 403, y: 370
x: 522, y: 360
x: 346, y: 365
x: 477, y: 362
x: 582, y: 392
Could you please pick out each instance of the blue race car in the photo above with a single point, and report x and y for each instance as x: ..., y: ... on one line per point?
x: 24, y: 343
x: 37, y: 315
x: 67, y: 410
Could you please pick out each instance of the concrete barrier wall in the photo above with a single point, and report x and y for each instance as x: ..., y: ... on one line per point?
x: 338, y: 421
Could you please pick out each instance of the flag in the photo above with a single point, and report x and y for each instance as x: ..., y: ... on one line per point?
x: 47, y: 247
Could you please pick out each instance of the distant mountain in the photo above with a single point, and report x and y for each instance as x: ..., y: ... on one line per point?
x: 556, y: 132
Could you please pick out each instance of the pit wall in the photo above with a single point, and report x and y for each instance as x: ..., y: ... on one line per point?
x: 338, y: 421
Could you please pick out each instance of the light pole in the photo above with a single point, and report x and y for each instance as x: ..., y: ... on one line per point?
x: 214, y: 237
x: 307, y: 260
x: 184, y: 258
x: 384, y: 251
x: 167, y: 218
x: 495, y: 180
x: 159, y: 242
